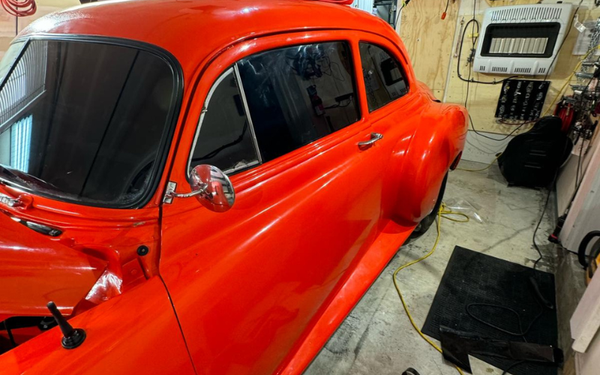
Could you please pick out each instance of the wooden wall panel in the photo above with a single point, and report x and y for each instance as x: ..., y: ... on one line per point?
x: 429, y: 39
x: 483, y: 98
x: 431, y: 43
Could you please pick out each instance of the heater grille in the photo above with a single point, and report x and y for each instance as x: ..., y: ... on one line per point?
x: 526, y: 14
x: 521, y: 39
x: 518, y: 46
x: 522, y: 70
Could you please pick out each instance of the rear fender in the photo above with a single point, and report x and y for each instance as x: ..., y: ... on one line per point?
x: 436, y: 144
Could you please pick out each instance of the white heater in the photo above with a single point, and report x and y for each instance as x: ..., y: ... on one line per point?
x: 521, y: 39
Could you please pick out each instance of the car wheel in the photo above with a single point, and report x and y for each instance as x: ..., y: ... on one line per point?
x: 424, y: 225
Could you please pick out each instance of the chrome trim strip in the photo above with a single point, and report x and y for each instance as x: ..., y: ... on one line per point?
x: 204, y: 110
x: 238, y: 77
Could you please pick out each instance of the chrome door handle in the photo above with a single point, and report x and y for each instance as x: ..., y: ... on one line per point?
x: 374, y: 138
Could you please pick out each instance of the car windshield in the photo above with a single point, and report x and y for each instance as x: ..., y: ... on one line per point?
x: 84, y: 121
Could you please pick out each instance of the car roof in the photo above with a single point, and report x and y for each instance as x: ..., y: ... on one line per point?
x: 193, y: 30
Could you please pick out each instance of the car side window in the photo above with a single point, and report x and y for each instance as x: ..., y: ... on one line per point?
x: 225, y: 137
x: 297, y: 95
x: 385, y: 80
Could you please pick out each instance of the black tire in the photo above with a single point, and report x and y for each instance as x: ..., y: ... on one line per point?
x: 424, y: 225
x: 410, y: 371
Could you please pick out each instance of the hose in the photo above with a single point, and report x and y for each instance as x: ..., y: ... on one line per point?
x: 19, y: 8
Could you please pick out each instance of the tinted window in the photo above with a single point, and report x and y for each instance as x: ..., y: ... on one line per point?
x: 384, y: 78
x: 225, y: 138
x: 84, y: 121
x: 299, y: 94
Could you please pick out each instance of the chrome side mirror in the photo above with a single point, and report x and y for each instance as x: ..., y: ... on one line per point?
x: 215, y: 189
x: 211, y: 187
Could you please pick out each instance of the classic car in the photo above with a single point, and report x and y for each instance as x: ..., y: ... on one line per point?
x: 205, y: 186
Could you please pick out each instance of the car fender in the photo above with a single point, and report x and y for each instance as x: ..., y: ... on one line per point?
x: 134, y: 333
x: 434, y: 148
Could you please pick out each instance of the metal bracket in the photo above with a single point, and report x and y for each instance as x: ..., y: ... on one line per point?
x: 168, y: 198
x: 170, y: 193
x: 10, y: 201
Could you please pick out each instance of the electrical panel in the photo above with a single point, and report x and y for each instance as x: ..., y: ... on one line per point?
x: 521, y: 100
x: 521, y: 39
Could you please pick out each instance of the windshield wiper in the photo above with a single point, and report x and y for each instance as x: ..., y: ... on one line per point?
x: 7, y: 172
x: 26, y: 178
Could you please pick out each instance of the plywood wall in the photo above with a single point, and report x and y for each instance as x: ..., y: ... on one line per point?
x: 432, y: 44
x: 429, y: 40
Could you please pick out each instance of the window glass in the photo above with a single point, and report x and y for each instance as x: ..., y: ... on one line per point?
x: 83, y: 121
x: 384, y: 78
x: 299, y: 94
x: 9, y: 58
x: 225, y: 138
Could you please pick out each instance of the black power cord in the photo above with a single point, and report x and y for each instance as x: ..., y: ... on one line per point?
x: 472, y: 54
x: 522, y: 332
x: 497, y: 139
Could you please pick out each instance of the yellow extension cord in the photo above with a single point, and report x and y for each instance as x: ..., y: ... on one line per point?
x: 443, y: 213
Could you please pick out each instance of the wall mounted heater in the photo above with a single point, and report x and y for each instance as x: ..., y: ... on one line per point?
x: 521, y: 39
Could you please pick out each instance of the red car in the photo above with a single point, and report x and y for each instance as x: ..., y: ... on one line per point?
x: 205, y: 186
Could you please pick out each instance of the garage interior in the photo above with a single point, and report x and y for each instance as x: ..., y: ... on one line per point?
x: 535, y: 221
x: 378, y: 337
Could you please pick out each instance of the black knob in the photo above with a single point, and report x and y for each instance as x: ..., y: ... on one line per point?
x: 72, y: 337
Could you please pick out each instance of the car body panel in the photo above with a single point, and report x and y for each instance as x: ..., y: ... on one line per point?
x: 61, y: 273
x: 253, y: 266
x: 94, y: 244
x: 369, y: 267
x: 127, y: 335
x: 260, y: 288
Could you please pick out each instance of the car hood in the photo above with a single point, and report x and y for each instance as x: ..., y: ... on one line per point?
x: 35, y: 269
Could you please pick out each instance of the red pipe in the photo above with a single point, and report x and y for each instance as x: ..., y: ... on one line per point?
x: 19, y: 8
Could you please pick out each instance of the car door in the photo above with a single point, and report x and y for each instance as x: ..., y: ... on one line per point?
x: 281, y: 115
x: 396, y: 107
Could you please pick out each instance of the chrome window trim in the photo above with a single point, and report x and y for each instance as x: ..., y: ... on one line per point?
x: 232, y: 70
x: 203, y: 114
x: 238, y: 77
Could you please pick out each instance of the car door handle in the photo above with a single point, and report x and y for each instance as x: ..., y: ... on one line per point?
x: 374, y: 138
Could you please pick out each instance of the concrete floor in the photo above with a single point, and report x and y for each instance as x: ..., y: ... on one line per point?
x: 377, y: 338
